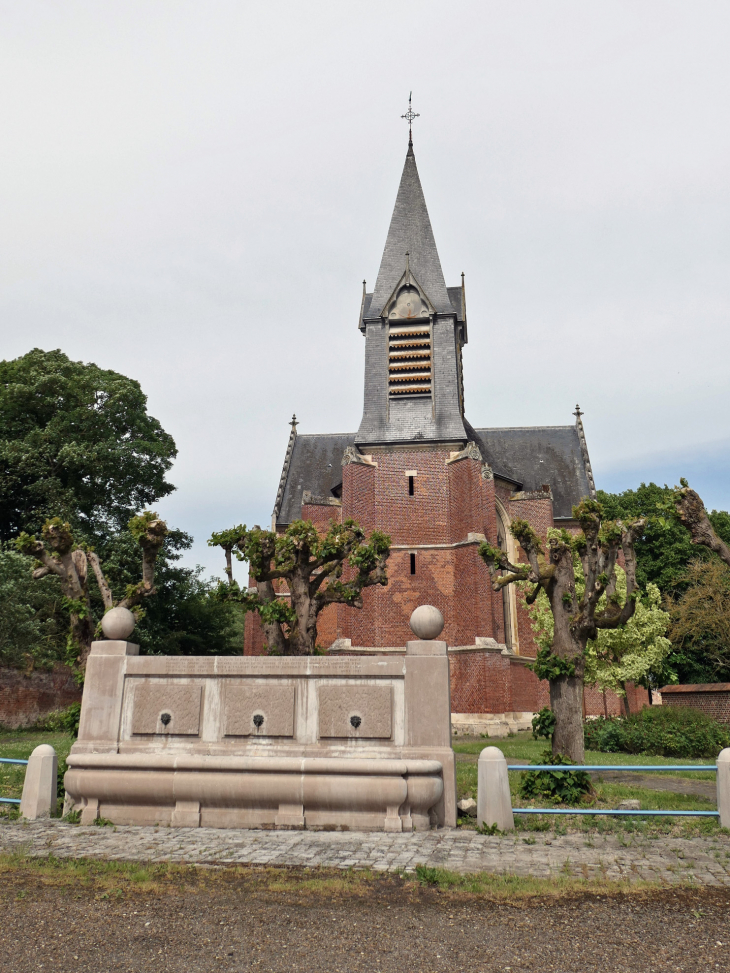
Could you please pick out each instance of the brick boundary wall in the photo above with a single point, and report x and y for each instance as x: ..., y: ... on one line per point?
x: 486, y: 681
x: 26, y: 698
x: 710, y: 698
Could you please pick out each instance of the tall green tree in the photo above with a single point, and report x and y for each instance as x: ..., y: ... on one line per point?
x: 32, y: 623
x: 76, y: 442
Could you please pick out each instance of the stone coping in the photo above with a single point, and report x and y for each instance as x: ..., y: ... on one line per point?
x: 704, y: 687
x: 351, y: 766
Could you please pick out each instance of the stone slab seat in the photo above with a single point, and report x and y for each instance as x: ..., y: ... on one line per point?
x: 191, y: 790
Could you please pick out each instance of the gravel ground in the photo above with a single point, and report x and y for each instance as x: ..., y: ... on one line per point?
x: 234, y: 923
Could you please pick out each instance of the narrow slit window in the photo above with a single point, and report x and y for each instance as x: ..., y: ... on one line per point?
x: 413, y: 563
x: 410, y: 488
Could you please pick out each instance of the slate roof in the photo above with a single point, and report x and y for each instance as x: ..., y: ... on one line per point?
x: 528, y: 456
x: 410, y: 230
x: 535, y: 455
x: 315, y: 465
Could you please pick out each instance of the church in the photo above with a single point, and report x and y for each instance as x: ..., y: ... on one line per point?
x: 417, y: 469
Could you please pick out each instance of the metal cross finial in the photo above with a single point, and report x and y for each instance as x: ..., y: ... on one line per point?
x: 409, y: 116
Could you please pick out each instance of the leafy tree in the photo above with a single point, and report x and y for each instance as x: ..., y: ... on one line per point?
x: 309, y: 568
x: 185, y: 617
x: 576, y: 617
x: 76, y: 441
x: 665, y: 548
x: 31, y: 625
x: 636, y: 652
x: 58, y: 554
x: 700, y: 628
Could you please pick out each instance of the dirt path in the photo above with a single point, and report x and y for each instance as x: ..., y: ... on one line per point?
x: 236, y: 924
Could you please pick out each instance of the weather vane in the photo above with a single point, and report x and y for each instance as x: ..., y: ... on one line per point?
x: 409, y: 116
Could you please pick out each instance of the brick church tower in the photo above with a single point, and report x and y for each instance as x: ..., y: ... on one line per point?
x: 418, y: 470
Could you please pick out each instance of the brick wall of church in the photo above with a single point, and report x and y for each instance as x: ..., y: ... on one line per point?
x: 449, y: 502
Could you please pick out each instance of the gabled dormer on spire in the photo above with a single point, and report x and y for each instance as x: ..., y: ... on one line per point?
x: 410, y: 233
x: 415, y: 327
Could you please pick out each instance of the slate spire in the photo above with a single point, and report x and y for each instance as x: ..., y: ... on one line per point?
x: 410, y: 232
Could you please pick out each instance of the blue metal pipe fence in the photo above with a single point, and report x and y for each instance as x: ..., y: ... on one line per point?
x: 9, y: 760
x: 614, y: 767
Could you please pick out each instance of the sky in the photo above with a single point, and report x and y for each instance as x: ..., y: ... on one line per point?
x: 191, y: 194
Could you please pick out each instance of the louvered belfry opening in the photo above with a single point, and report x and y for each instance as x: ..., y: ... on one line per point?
x: 410, y: 363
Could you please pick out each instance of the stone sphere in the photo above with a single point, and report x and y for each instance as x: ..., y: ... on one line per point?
x: 427, y: 622
x: 118, y: 624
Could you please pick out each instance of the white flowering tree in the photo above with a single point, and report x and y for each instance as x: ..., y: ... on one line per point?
x: 632, y: 653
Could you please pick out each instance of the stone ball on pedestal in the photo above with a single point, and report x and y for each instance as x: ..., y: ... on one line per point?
x: 427, y: 622
x: 118, y: 624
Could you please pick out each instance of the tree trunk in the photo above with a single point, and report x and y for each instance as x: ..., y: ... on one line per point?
x: 625, y: 701
x: 82, y: 633
x: 566, y: 703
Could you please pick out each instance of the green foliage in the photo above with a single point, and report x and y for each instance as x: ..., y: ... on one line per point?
x: 700, y: 631
x: 61, y: 720
x: 664, y: 731
x: 76, y: 441
x: 524, y: 532
x: 316, y: 560
x: 636, y: 652
x: 184, y: 617
x: 543, y: 724
x: 549, y: 666
x: 560, y: 787
x: 664, y: 550
x: 32, y: 626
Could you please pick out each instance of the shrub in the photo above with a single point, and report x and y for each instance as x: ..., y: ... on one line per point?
x: 663, y: 731
x: 562, y: 787
x: 543, y: 724
x: 63, y: 720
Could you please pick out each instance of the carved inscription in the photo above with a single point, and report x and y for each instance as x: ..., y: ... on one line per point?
x: 259, y: 710
x: 166, y: 709
x: 360, y: 712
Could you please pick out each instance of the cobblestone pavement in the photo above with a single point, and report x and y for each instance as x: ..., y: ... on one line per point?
x: 705, y: 860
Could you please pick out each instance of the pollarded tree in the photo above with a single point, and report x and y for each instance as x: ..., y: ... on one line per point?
x: 58, y: 554
x: 691, y: 512
x: 300, y: 572
x: 635, y: 652
x: 576, y: 617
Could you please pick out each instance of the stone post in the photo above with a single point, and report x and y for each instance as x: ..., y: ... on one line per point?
x: 494, y: 803
x: 39, y: 789
x: 723, y: 787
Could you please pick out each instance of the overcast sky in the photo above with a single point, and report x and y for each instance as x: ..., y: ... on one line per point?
x: 192, y: 193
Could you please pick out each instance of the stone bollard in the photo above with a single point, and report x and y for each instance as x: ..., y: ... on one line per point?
x: 723, y: 787
x: 494, y: 803
x: 39, y: 789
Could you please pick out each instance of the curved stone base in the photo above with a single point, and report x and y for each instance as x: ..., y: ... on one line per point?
x: 255, y: 792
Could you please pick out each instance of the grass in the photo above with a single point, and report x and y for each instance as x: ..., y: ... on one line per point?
x: 18, y: 745
x: 522, y: 746
x: 608, y: 793
x: 23, y: 876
